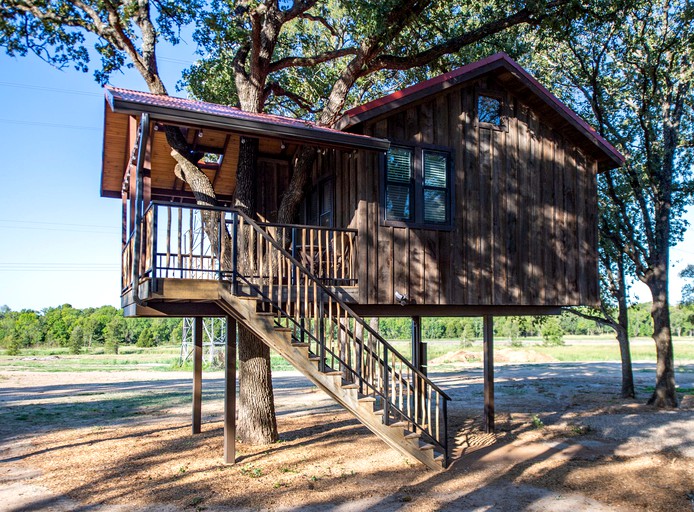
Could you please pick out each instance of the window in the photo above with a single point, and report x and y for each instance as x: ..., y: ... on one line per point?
x: 417, y: 187
x: 489, y: 110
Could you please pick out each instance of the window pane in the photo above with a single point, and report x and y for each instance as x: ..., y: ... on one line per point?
x: 397, y: 202
x: 435, y: 174
x: 399, y: 165
x: 435, y: 206
x: 489, y: 110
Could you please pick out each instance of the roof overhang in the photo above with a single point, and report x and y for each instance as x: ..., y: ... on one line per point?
x: 467, y: 73
x: 180, y: 111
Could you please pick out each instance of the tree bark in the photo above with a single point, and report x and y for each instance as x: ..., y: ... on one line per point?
x: 257, y: 424
x: 292, y: 198
x: 256, y: 407
x: 622, y: 329
x: 665, y: 394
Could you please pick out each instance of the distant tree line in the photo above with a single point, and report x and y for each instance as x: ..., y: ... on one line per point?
x: 83, y: 329
x: 105, y: 327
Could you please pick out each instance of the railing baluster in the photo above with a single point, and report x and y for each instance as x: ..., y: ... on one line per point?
x: 298, y: 293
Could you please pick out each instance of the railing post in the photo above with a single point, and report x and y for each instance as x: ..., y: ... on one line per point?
x: 220, y: 232
x: 321, y: 335
x: 360, y: 353
x: 445, y: 432
x: 386, y: 387
x: 295, y: 273
x: 155, y: 211
x: 234, y: 254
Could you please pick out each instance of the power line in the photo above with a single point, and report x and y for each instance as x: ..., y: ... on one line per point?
x: 32, y: 228
x: 49, y: 125
x: 51, y: 89
x: 57, y: 223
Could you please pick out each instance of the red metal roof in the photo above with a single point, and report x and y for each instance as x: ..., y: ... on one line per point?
x: 415, y: 92
x: 135, y: 101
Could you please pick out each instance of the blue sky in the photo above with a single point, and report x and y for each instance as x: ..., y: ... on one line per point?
x: 60, y: 239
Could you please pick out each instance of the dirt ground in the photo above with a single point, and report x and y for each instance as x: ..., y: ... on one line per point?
x: 566, y: 442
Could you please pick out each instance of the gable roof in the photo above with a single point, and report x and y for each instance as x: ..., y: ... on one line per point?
x: 499, y: 62
x: 181, y: 110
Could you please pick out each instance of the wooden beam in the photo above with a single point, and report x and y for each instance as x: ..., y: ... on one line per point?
x: 488, y: 373
x: 230, y: 394
x: 197, y: 376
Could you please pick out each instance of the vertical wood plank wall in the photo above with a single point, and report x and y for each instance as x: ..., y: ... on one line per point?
x: 524, y: 220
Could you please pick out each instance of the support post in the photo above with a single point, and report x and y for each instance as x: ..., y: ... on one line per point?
x: 488, y: 373
x: 197, y: 375
x: 230, y: 394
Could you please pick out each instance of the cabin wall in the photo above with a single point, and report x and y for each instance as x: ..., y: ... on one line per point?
x: 524, y: 218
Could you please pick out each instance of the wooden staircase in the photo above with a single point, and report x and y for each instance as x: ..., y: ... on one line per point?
x: 262, y: 285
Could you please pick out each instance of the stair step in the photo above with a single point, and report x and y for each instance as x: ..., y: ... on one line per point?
x: 399, y: 424
x: 283, y: 329
x: 366, y: 399
x: 298, y: 344
x: 413, y: 435
x: 314, y: 358
x: 351, y: 385
x: 265, y: 313
x: 439, y: 458
x: 333, y: 372
x: 379, y: 412
x: 426, y: 446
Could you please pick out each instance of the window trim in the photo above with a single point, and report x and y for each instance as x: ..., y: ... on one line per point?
x: 418, y: 187
x: 499, y: 95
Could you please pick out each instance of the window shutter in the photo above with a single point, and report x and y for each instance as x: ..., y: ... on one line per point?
x: 399, y: 184
x: 435, y: 167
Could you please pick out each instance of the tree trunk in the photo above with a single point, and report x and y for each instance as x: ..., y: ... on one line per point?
x: 292, y: 198
x: 622, y: 329
x: 256, y: 407
x: 664, y: 394
x: 257, y: 424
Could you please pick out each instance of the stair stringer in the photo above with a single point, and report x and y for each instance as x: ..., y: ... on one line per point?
x: 243, y: 310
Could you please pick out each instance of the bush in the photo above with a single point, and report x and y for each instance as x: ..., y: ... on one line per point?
x: 146, y: 338
x: 552, y: 333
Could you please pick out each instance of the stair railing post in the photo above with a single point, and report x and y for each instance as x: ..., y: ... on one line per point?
x: 360, y: 354
x: 220, y: 231
x: 295, y: 273
x: 445, y: 432
x: 321, y: 336
x: 234, y: 253
x: 153, y: 234
x: 386, y: 386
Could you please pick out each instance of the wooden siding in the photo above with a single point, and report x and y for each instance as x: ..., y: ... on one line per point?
x: 524, y: 224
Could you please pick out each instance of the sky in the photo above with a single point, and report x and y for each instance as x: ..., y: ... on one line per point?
x: 60, y: 240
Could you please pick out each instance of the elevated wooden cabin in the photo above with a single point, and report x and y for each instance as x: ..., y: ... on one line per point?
x: 473, y: 193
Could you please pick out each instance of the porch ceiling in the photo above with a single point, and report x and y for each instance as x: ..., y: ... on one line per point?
x: 211, y: 129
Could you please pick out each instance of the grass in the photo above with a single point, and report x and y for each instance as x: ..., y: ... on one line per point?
x: 166, y: 358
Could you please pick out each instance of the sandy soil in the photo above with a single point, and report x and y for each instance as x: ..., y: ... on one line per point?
x: 121, y: 441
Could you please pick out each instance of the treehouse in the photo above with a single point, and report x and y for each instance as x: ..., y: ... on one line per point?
x: 473, y: 193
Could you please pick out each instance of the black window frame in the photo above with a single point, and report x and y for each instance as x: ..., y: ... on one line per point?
x: 417, y: 188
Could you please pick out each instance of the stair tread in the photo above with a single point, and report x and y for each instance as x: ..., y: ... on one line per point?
x: 439, y: 457
x: 265, y: 313
x: 313, y: 358
x: 399, y: 424
x: 413, y: 435
x: 426, y: 446
x: 283, y: 329
x: 332, y: 372
x: 350, y: 386
x: 366, y: 399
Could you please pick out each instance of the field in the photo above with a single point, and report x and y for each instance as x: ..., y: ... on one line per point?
x: 112, y: 433
x: 167, y: 358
